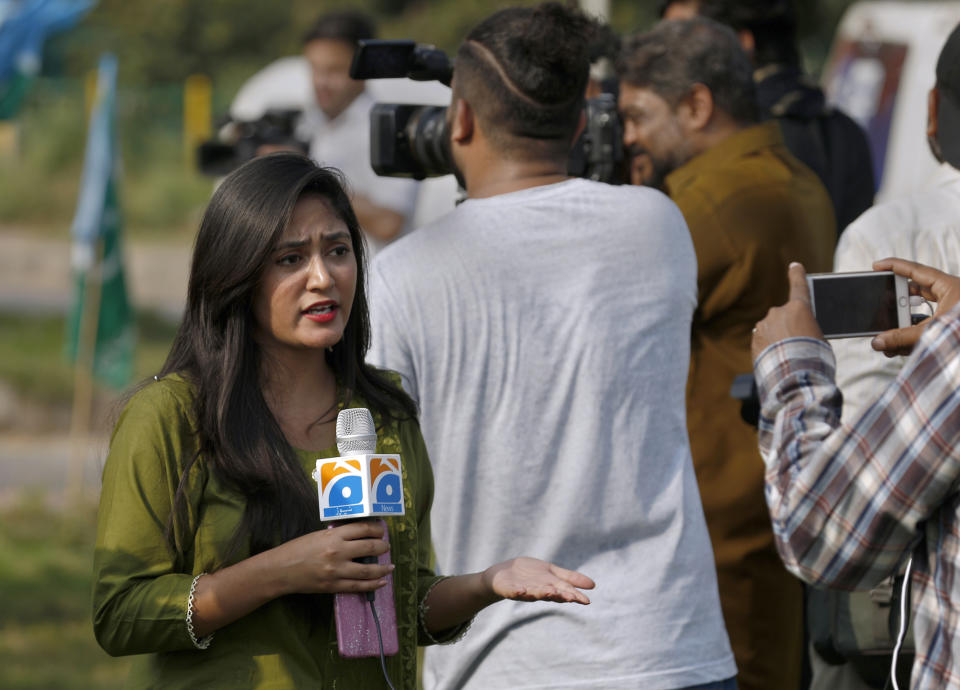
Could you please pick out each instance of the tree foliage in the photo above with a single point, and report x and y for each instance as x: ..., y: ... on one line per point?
x: 166, y: 41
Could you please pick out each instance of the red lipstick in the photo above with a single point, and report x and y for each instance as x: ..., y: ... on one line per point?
x: 321, y: 312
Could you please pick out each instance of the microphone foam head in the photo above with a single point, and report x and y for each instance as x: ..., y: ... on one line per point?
x: 355, y: 431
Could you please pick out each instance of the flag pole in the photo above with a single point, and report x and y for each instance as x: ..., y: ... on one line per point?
x: 83, y: 389
x: 101, y: 334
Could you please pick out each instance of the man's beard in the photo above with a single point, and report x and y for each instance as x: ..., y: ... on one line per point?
x: 647, y: 170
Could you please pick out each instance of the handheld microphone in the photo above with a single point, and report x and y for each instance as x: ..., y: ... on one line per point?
x: 361, y: 484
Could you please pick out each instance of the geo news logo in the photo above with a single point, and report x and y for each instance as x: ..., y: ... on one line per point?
x: 386, y: 488
x: 341, y: 485
x: 360, y: 486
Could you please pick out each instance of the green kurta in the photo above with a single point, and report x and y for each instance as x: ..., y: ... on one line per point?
x: 752, y: 208
x: 140, y: 597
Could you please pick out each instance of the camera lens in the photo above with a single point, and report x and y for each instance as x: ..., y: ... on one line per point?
x: 429, y: 144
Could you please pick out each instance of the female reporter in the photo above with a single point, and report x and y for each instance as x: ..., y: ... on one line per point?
x: 208, y: 517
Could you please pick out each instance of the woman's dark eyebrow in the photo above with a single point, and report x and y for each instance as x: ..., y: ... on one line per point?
x: 336, y: 235
x: 290, y: 244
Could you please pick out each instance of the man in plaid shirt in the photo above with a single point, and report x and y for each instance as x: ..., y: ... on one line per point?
x: 850, y: 500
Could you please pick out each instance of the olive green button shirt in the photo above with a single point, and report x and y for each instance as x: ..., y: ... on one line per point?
x: 752, y: 208
x: 140, y: 596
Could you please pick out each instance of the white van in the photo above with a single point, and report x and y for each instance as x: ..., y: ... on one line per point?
x: 880, y: 68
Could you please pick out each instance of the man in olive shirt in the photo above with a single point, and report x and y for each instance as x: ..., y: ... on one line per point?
x: 688, y: 105
x: 824, y: 138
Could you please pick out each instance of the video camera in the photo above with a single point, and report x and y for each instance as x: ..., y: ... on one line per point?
x: 412, y: 140
x: 238, y: 141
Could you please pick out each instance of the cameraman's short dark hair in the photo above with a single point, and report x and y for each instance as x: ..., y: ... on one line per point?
x: 347, y: 26
x: 524, y: 71
x: 675, y: 55
x: 773, y: 24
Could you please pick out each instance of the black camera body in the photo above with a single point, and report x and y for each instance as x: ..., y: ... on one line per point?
x: 598, y: 154
x: 241, y: 140
x: 413, y: 141
x: 409, y: 141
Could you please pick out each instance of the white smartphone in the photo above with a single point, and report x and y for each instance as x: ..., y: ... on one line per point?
x: 848, y: 305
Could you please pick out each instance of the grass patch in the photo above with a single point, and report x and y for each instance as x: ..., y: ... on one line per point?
x: 32, y: 360
x: 31, y: 357
x: 45, y: 562
x: 46, y: 637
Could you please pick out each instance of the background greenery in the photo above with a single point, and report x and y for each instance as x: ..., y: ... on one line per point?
x: 46, y: 639
x: 32, y: 361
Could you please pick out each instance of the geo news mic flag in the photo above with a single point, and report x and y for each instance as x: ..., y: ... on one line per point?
x: 100, y: 294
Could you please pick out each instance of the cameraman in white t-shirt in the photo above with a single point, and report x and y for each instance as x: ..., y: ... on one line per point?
x: 543, y: 327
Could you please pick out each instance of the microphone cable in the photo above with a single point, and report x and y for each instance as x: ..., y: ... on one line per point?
x: 376, y: 621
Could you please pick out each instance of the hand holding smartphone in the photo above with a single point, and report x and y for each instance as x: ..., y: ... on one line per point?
x: 850, y: 305
x: 932, y: 285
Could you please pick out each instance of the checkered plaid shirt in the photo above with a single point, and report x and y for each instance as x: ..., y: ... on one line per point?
x: 850, y: 500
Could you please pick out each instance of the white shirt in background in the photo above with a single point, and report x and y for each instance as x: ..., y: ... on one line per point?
x: 923, y: 227
x: 344, y: 143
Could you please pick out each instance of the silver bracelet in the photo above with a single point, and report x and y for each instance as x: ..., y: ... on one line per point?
x: 203, y: 642
x: 454, y: 633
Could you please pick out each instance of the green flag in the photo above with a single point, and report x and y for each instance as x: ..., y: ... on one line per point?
x: 12, y: 93
x: 100, y: 327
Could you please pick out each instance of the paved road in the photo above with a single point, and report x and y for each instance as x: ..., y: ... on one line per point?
x: 35, y: 273
x: 43, y: 462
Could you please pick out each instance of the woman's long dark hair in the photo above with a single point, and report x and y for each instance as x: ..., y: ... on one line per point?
x: 215, y: 350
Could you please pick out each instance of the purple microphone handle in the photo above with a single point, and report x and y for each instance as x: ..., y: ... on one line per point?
x: 356, y: 629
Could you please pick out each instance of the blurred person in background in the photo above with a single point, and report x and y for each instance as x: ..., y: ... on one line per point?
x: 211, y: 563
x: 543, y: 328
x: 923, y: 227
x: 337, y: 125
x: 824, y: 138
x: 689, y: 111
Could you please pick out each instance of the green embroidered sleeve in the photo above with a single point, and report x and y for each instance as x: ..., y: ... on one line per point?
x: 140, y: 597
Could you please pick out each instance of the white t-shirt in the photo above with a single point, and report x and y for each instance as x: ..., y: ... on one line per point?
x: 344, y: 143
x: 545, y: 335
